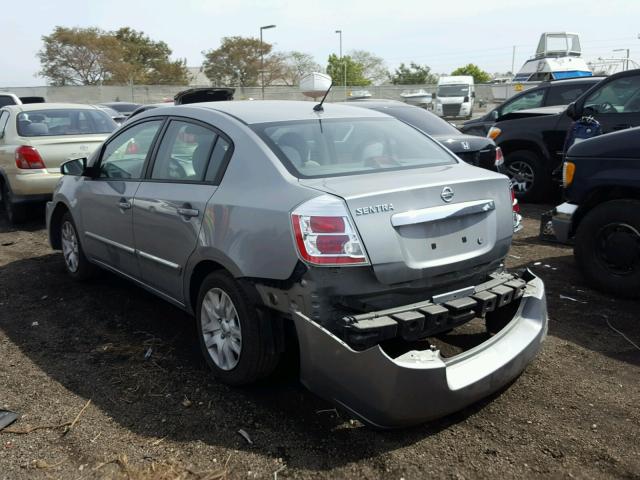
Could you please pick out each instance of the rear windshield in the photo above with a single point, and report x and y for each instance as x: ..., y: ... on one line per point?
x: 327, y: 148
x: 68, y: 121
x: 421, y: 119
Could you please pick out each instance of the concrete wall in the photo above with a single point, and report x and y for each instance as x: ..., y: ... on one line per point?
x: 160, y: 93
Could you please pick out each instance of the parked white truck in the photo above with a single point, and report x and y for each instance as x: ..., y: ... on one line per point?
x: 455, y: 97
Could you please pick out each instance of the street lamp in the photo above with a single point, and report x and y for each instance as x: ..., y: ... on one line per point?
x: 626, y: 62
x: 266, y: 27
x: 344, y: 65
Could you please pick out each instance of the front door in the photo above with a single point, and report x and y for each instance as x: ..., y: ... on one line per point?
x: 616, y: 104
x: 170, y: 205
x: 106, y: 202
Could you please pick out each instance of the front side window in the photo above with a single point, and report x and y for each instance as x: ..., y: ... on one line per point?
x: 184, y: 152
x: 68, y: 121
x: 324, y: 148
x: 528, y: 100
x: 125, y: 154
x: 618, y: 96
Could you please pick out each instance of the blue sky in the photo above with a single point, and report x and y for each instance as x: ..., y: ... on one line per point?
x: 443, y: 35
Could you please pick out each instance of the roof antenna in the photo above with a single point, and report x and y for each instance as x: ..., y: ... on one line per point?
x: 318, y: 107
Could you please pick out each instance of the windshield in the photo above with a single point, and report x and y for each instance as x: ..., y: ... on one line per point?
x: 421, y: 119
x: 327, y: 148
x: 70, y: 121
x: 453, y: 90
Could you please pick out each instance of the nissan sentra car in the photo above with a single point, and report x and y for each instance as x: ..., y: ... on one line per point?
x: 349, y: 227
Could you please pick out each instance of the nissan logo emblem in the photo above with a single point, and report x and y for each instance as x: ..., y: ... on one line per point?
x: 447, y: 194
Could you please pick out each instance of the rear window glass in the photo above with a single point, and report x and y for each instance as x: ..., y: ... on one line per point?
x: 325, y: 148
x: 421, y: 119
x: 38, y: 123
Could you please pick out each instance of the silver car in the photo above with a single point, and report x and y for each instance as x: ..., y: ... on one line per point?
x: 356, y: 231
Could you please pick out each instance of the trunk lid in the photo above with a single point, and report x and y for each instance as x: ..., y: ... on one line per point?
x: 410, y: 232
x: 57, y: 150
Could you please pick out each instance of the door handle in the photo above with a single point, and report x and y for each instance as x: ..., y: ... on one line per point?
x: 124, y: 204
x: 187, y: 211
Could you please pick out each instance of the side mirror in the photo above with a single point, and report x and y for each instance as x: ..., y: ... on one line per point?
x: 473, y: 94
x: 433, y: 96
x: 573, y: 111
x: 494, y: 115
x: 76, y: 166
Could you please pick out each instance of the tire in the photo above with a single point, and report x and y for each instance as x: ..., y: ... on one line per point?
x: 16, y: 213
x: 607, y: 247
x: 239, y: 346
x: 531, y: 181
x: 75, y: 261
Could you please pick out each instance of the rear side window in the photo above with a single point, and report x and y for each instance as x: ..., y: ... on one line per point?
x: 6, y: 100
x: 217, y: 160
x: 324, y: 148
x: 69, y: 121
x: 565, y: 94
x: 184, y: 152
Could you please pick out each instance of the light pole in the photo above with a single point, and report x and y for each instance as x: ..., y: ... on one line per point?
x: 626, y: 62
x: 266, y: 27
x: 344, y: 64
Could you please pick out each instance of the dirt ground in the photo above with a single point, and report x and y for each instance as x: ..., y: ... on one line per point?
x: 574, y: 412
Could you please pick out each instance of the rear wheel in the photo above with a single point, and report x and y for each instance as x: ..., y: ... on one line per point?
x: 531, y: 181
x: 16, y: 213
x: 607, y: 247
x: 237, y: 339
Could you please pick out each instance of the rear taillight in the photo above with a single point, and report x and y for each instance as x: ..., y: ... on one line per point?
x: 499, y: 159
x: 515, y: 207
x: 28, y: 158
x: 325, y: 235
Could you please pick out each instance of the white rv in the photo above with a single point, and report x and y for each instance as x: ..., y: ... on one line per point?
x: 455, y: 96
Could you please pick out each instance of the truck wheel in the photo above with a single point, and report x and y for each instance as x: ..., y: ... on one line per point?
x: 15, y: 213
x: 75, y: 261
x: 236, y: 337
x: 607, y: 247
x: 531, y: 182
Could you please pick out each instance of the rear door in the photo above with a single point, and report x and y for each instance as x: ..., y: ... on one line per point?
x: 169, y: 206
x: 105, y: 202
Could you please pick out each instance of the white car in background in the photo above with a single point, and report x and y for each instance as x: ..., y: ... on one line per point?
x: 35, y: 139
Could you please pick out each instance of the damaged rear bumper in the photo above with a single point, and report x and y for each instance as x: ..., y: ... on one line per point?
x: 419, y: 385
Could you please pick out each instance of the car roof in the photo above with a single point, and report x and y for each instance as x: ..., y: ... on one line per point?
x: 565, y: 81
x: 264, y: 111
x: 28, y: 107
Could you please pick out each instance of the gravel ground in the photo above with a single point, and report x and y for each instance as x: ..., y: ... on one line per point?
x: 573, y: 413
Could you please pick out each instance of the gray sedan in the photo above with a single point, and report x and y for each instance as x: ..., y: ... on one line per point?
x: 350, y: 228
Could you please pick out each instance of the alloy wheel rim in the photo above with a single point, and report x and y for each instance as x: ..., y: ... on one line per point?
x: 522, y: 176
x: 221, y: 330
x: 70, y: 246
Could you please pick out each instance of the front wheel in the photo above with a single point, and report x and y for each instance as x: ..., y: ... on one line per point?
x: 75, y: 261
x: 607, y: 247
x: 531, y: 181
x: 237, y: 339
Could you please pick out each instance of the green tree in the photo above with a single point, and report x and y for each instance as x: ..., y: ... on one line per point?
x: 373, y: 67
x: 414, y: 74
x: 355, y: 71
x: 237, y: 63
x: 78, y: 56
x: 479, y: 75
x: 145, y: 61
x: 295, y: 65
x: 90, y: 56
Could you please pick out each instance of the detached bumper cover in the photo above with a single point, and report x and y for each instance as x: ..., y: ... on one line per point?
x: 419, y: 385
